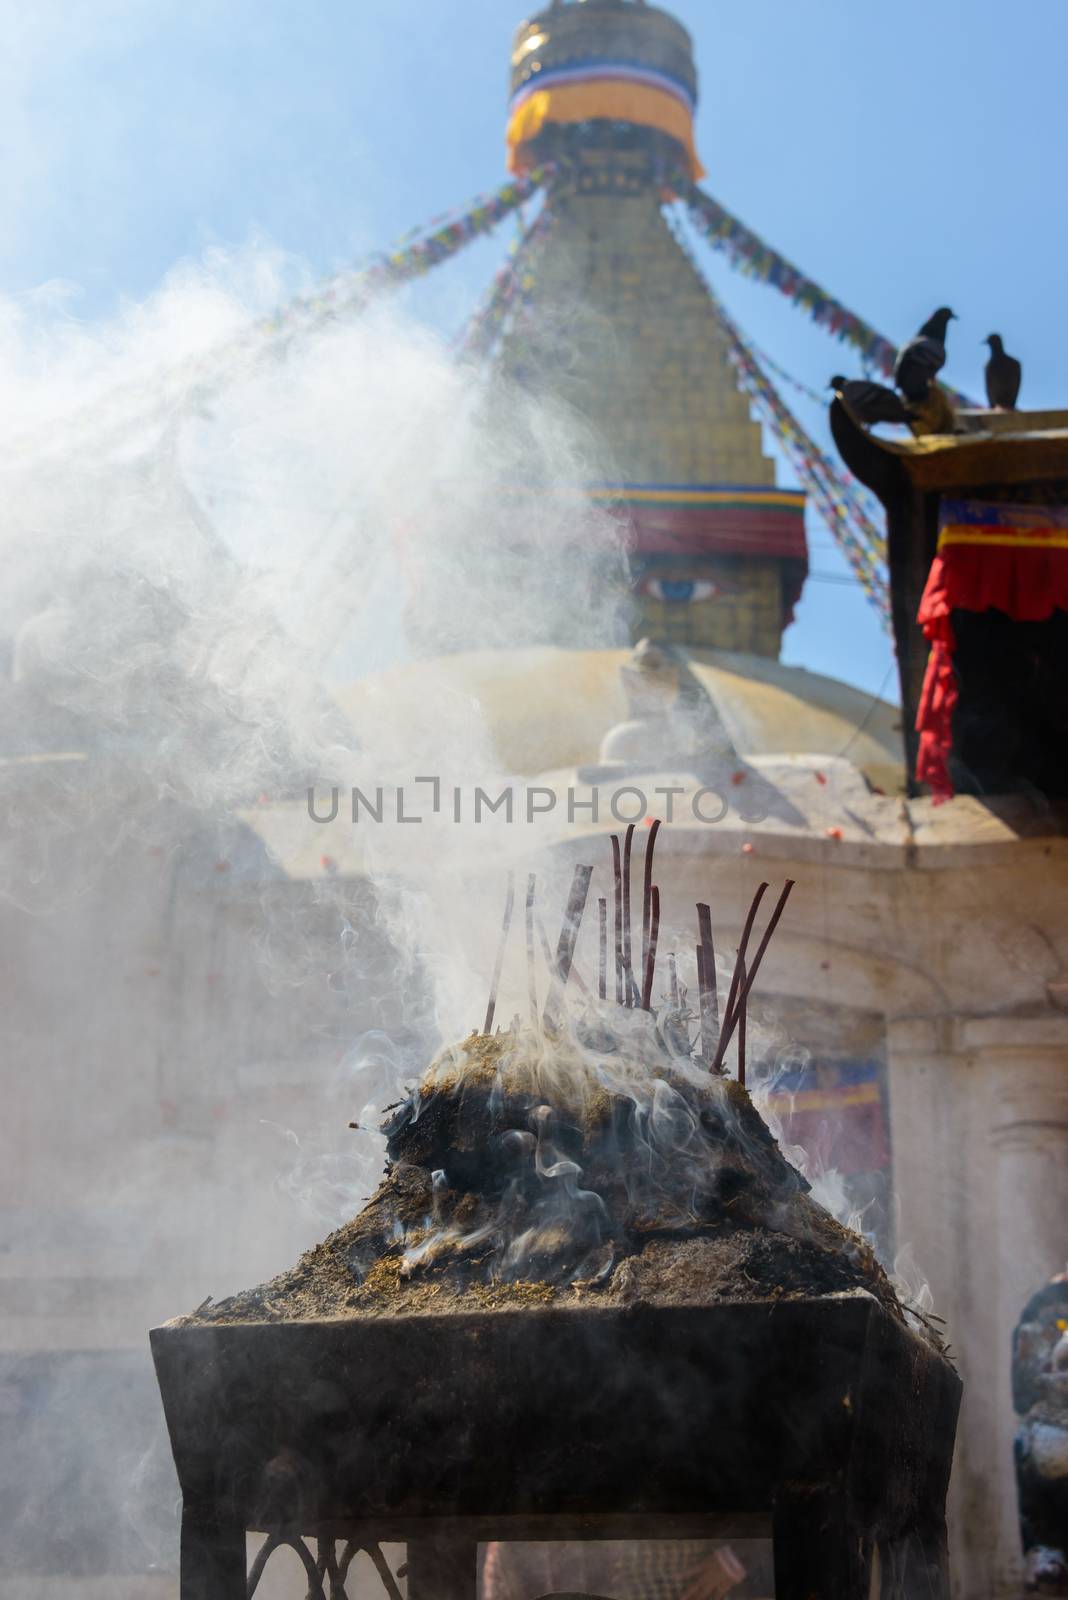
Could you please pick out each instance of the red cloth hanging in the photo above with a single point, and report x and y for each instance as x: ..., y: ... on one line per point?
x: 1009, y: 558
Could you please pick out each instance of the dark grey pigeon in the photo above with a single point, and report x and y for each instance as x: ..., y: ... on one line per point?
x: 869, y: 402
x: 1003, y: 374
x: 921, y: 360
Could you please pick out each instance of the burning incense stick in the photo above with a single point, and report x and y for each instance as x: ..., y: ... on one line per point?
x: 574, y: 976
x: 569, y: 931
x: 708, y: 1037
x: 602, y: 969
x: 650, y: 845
x: 741, y: 1026
x: 532, y: 981
x: 618, y: 877
x: 708, y: 993
x: 505, y: 925
x: 773, y: 923
x: 704, y: 923
x: 742, y: 983
x: 650, y: 959
x: 732, y: 993
x: 576, y: 905
x: 546, y: 947
x: 628, y: 968
x: 673, y: 978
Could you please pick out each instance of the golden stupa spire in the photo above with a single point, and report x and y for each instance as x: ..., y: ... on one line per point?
x: 617, y: 323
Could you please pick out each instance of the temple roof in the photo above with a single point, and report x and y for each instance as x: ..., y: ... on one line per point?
x: 989, y: 447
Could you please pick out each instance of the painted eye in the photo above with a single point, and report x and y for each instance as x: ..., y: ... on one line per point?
x: 679, y: 591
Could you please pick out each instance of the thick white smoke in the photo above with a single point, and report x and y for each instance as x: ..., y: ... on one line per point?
x: 189, y: 571
x: 197, y: 1001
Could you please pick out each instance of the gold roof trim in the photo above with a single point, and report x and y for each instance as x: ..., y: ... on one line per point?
x: 990, y: 447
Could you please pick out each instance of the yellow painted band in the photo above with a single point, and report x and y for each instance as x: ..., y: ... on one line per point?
x: 614, y: 102
x: 961, y: 533
x: 802, y: 1100
x: 702, y: 497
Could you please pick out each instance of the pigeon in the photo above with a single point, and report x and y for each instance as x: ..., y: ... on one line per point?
x: 1003, y: 373
x: 932, y: 414
x: 869, y: 402
x: 919, y: 362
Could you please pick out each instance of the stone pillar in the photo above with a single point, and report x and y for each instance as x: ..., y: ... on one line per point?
x: 944, y: 1230
x: 1024, y: 1062
x: 979, y: 1130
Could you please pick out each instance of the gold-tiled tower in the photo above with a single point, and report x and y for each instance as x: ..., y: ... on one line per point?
x: 617, y: 324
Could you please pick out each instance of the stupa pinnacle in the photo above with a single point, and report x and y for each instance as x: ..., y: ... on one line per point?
x: 617, y: 323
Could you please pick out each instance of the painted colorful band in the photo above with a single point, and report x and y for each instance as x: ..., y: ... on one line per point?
x: 699, y: 494
x: 726, y: 530
x: 798, y: 1101
x: 602, y: 72
x: 608, y: 98
x: 1008, y: 538
x: 998, y: 522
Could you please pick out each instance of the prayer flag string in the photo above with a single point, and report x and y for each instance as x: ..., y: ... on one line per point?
x: 852, y: 529
x: 849, y: 525
x: 508, y: 293
x: 750, y: 255
x: 344, y: 294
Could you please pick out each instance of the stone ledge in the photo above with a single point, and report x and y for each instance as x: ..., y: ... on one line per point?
x: 1014, y: 1033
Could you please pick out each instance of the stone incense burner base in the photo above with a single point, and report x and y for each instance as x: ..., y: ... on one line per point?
x: 823, y: 1421
x: 590, y: 1299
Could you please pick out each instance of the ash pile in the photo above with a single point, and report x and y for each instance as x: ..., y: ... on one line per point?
x: 595, y: 1153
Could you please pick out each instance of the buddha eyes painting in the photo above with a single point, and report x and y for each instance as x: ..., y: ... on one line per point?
x: 679, y: 591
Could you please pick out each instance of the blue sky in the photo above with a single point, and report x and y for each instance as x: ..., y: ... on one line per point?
x: 904, y: 155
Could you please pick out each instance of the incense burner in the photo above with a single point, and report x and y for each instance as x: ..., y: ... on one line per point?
x: 590, y: 1298
x: 822, y: 1421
